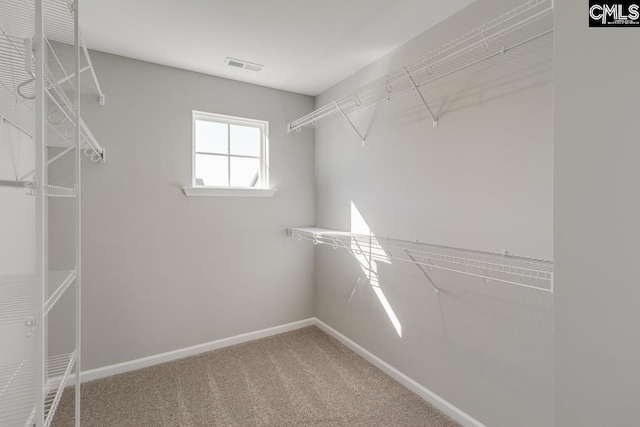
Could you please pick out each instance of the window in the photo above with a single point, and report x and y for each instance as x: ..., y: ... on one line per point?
x: 229, y: 152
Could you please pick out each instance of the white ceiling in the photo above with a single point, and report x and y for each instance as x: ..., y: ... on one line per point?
x: 306, y: 46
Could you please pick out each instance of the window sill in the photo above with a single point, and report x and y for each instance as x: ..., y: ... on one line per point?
x: 228, y: 192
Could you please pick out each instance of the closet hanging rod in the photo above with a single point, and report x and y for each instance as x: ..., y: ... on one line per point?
x: 500, y: 255
x: 530, y: 16
x: 531, y: 273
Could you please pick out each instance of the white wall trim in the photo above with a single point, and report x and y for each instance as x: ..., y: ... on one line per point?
x: 145, y: 362
x: 452, y: 411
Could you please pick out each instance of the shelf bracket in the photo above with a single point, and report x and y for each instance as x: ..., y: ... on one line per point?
x: 31, y: 326
x: 436, y: 289
x: 17, y: 184
x: 362, y: 138
x: 424, y: 102
x: 488, y: 278
x: 9, y: 122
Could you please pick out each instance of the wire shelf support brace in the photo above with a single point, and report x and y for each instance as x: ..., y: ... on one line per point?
x: 523, y: 24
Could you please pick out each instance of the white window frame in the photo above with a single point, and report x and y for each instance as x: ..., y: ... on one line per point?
x: 262, y: 189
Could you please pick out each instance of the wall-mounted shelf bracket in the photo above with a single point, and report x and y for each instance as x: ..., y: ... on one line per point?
x: 362, y: 138
x: 31, y: 326
x: 9, y: 122
x: 17, y: 184
x: 488, y: 278
x: 436, y: 289
x: 424, y: 102
x: 102, y: 100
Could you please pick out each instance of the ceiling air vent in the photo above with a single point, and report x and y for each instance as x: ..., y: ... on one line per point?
x: 238, y: 63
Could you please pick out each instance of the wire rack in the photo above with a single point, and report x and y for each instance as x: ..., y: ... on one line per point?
x: 17, y: 405
x: 17, y: 295
x: 49, y: 189
x: 527, y: 22
x: 42, y: 58
x: 17, y: 70
x: 504, y: 268
x: 59, y: 191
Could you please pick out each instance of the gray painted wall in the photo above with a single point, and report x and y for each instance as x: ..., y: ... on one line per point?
x: 162, y: 271
x: 596, y: 152
x: 483, y: 180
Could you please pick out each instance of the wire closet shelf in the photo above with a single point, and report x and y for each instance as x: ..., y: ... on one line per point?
x: 17, y: 73
x: 43, y: 63
x: 527, y: 22
x: 524, y: 272
x: 18, y: 299
x: 16, y: 406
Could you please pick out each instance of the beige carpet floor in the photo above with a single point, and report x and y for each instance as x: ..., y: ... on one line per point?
x: 300, y: 378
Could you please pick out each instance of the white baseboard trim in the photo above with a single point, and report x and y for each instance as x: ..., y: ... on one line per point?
x: 456, y: 414
x: 452, y: 411
x: 145, y: 362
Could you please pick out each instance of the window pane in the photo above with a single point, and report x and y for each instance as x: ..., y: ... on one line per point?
x: 245, y: 141
x: 212, y: 170
x: 211, y: 137
x: 244, y: 172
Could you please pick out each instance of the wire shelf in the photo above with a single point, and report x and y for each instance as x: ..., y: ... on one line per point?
x: 520, y: 271
x: 17, y: 295
x: 525, y: 23
x: 42, y: 57
x: 17, y: 83
x: 49, y: 190
x: 58, y: 191
x: 18, y: 385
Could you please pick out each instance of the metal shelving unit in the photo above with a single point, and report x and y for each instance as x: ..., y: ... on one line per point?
x: 17, y: 295
x: 45, y: 68
x: 18, y: 406
x: 524, y: 272
x: 17, y: 73
x: 529, y: 21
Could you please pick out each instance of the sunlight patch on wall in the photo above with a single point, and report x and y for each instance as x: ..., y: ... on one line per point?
x: 368, y: 252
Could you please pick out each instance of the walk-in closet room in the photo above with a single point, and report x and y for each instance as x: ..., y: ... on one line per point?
x: 338, y: 213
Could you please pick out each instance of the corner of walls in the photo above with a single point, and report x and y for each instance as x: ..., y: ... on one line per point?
x: 596, y: 211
